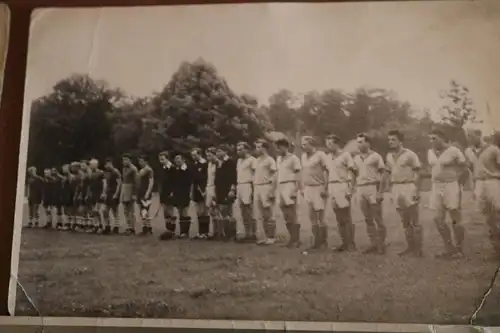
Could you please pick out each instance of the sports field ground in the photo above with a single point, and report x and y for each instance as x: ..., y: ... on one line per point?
x: 72, y: 274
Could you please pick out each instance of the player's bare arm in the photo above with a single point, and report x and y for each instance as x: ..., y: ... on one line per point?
x: 150, y: 183
x: 104, y: 186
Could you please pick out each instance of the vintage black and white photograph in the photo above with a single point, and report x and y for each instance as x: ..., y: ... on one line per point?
x: 282, y: 162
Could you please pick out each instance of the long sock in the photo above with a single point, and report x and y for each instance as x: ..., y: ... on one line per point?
x: 170, y: 224
x: 459, y: 233
x: 203, y: 224
x: 445, y: 233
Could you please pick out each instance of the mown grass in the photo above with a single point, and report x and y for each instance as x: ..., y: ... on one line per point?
x: 116, y: 276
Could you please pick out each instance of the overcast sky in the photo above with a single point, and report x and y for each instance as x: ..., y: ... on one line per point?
x: 412, y: 48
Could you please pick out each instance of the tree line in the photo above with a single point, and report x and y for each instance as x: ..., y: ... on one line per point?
x: 83, y: 117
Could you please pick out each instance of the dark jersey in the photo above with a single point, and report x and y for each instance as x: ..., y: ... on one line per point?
x: 50, y: 185
x: 112, y: 178
x: 35, y: 188
x: 225, y: 178
x: 130, y: 174
x: 74, y: 183
x: 165, y: 187
x: 95, y: 181
x: 199, y: 170
x: 181, y: 185
x: 145, y: 175
x: 83, y: 186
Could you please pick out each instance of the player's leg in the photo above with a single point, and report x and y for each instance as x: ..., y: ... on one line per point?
x: 437, y: 202
x: 144, y: 206
x: 246, y: 206
x: 398, y: 197
x: 492, y: 214
x: 365, y: 204
x: 203, y: 219
x: 59, y: 216
x: 48, y: 210
x: 288, y: 206
x: 169, y: 219
x: 453, y: 203
x: 129, y: 211
x: 31, y: 214
x: 268, y: 220
x: 320, y: 203
x: 341, y: 208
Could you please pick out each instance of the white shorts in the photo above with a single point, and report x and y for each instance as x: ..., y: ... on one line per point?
x: 338, y: 194
x: 403, y: 195
x: 487, y: 194
x: 446, y: 196
x: 287, y: 193
x: 313, y: 196
x: 210, y: 196
x: 245, y: 192
x: 367, y: 194
x: 262, y: 193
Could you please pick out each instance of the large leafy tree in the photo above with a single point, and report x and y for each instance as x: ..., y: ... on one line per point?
x: 72, y: 122
x: 457, y: 111
x: 197, y: 107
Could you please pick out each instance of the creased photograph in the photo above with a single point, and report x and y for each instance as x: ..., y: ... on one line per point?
x: 334, y: 162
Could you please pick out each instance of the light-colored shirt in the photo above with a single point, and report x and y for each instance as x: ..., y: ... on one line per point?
x: 245, y: 169
x: 211, y: 173
x: 265, y: 170
x: 288, y: 167
x: 339, y: 166
x: 369, y: 167
x: 485, y: 161
x: 313, y: 168
x: 403, y: 166
x: 447, y: 166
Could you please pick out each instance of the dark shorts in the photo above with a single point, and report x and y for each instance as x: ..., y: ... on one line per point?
x: 111, y: 202
x: 181, y: 200
x: 36, y: 200
x: 94, y: 200
x: 67, y: 200
x: 166, y: 199
x: 198, y: 196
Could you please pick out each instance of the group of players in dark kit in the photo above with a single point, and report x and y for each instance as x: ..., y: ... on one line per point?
x: 84, y: 197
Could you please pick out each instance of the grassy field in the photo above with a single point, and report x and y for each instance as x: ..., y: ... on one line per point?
x: 88, y: 275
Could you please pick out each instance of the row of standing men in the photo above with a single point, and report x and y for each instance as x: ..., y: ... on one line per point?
x: 89, y: 196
